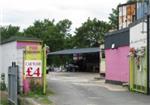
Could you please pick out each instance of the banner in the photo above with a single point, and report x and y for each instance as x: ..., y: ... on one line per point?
x: 33, y: 68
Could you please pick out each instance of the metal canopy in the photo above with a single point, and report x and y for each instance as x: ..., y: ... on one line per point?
x: 76, y: 51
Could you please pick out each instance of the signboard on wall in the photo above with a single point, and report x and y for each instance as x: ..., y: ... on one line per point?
x: 23, y: 44
x: 33, y: 61
x: 33, y: 68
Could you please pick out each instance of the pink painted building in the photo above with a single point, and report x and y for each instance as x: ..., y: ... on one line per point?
x: 117, y: 60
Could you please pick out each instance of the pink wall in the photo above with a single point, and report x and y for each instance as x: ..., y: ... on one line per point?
x: 117, y: 64
x: 22, y: 44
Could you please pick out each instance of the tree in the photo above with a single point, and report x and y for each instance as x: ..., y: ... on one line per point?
x: 113, y: 18
x: 56, y: 36
x: 64, y: 27
x: 52, y: 34
x: 91, y: 33
x: 8, y: 31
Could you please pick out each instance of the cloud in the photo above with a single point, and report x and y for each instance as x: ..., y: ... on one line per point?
x: 24, y: 12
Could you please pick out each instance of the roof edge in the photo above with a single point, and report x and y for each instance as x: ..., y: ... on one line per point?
x: 20, y: 38
x: 116, y: 32
x: 137, y: 22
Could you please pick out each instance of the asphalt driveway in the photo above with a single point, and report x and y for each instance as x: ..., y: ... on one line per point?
x: 84, y: 89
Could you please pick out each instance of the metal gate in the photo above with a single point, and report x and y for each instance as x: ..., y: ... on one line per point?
x: 138, y: 71
x: 13, y: 84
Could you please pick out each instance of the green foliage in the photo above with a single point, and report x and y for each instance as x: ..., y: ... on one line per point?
x: 35, y: 88
x: 4, y: 102
x: 91, y: 33
x: 64, y: 27
x: 39, y: 97
x: 8, y: 31
x: 113, y: 18
x: 52, y: 34
x: 2, y: 86
x: 56, y: 35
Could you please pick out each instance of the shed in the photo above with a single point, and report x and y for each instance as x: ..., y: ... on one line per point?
x: 90, y: 58
x: 11, y: 50
x: 116, y: 52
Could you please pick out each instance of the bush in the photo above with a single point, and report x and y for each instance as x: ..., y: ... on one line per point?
x: 36, y: 87
x: 2, y: 86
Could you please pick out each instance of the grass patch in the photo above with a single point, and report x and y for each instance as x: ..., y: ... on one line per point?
x: 35, y: 95
x: 41, y: 98
x: 3, y: 102
x: 44, y: 100
x: 3, y: 98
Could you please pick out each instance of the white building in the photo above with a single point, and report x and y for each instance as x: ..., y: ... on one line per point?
x: 138, y: 34
x: 11, y: 50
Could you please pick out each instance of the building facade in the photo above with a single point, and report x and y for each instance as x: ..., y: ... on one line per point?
x: 12, y: 51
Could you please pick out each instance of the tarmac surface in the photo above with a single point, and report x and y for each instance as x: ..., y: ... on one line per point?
x: 85, y: 89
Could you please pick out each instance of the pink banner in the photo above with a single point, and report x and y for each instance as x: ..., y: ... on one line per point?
x: 24, y: 44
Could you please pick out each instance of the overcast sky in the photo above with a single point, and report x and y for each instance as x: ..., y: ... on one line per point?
x: 24, y: 12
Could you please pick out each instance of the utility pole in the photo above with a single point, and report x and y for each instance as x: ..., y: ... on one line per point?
x: 148, y: 47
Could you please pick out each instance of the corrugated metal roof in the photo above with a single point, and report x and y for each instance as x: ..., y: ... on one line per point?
x: 76, y: 51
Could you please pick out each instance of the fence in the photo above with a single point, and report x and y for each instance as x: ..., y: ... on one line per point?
x: 13, y: 84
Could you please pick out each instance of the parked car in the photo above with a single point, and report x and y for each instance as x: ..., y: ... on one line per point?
x: 71, y: 67
x: 49, y: 69
x: 57, y: 69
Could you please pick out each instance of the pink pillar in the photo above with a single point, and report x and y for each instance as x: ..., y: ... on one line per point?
x: 26, y: 86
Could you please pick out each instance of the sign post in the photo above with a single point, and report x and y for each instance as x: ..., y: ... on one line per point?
x: 44, y: 69
x: 33, y: 61
x: 35, y: 65
x: 33, y: 68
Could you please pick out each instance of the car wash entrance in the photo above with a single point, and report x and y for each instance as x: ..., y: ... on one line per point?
x: 84, y: 59
x: 86, y: 62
